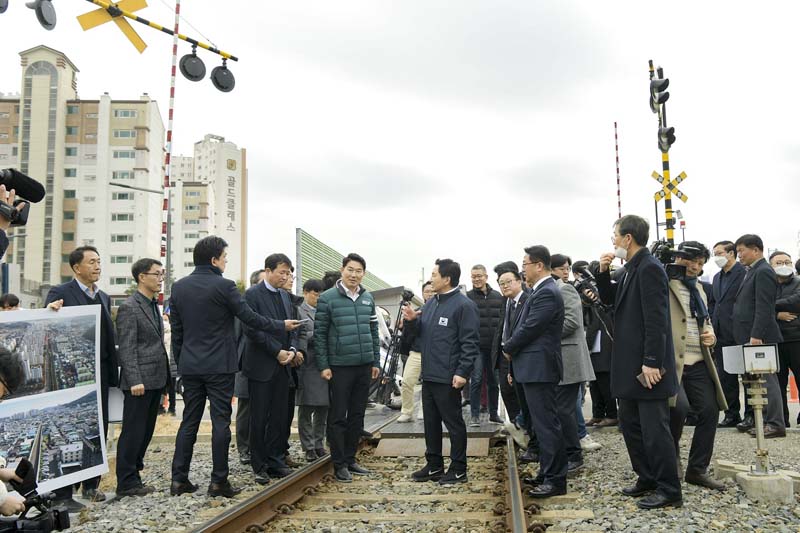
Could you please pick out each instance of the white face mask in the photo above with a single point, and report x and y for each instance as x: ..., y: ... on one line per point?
x: 784, y: 271
x: 621, y: 252
x: 721, y: 260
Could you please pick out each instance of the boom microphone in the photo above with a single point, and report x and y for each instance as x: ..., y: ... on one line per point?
x: 586, y: 272
x: 26, y: 187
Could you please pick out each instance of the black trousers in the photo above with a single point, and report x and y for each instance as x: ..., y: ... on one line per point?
x: 698, y: 394
x: 603, y: 404
x: 348, y: 389
x: 543, y: 407
x: 533, y: 442
x: 481, y: 369
x: 645, y: 428
x: 218, y: 389
x: 507, y: 391
x: 289, y: 416
x: 268, y: 413
x: 170, y: 391
x: 243, y: 426
x: 730, y: 385
x: 566, y: 396
x: 442, y: 403
x: 139, y: 414
x: 790, y: 360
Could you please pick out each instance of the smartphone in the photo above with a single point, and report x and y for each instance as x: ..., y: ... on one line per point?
x: 305, y: 320
x: 640, y: 377
x: 25, y: 472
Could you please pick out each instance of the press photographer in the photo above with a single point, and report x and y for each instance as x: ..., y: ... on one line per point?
x: 12, y: 374
x: 598, y: 320
x: 15, y: 188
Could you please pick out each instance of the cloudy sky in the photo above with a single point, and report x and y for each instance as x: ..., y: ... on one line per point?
x: 413, y: 130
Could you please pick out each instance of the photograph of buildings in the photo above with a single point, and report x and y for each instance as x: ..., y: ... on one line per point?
x: 58, y: 432
x: 59, y: 350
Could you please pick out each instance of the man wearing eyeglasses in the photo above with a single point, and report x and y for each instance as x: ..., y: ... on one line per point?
x: 144, y: 363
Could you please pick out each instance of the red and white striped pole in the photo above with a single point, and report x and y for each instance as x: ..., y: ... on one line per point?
x: 165, y: 216
x: 619, y: 196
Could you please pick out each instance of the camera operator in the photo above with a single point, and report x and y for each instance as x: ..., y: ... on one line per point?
x: 700, y: 388
x: 12, y: 373
x: 598, y: 320
x: 6, y: 197
x: 412, y: 366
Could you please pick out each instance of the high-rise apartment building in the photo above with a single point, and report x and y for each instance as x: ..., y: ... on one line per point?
x: 209, y: 197
x: 82, y: 150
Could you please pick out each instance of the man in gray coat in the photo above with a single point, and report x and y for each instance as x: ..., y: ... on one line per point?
x: 143, y: 359
x: 577, y: 369
x: 312, y: 394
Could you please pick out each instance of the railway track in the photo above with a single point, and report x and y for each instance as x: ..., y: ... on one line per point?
x: 311, y: 499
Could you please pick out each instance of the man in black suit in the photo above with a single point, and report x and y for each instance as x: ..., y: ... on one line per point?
x: 724, y: 288
x: 642, y: 349
x: 202, y: 309
x: 266, y: 364
x: 145, y: 367
x: 754, y: 322
x: 83, y: 290
x: 535, y: 352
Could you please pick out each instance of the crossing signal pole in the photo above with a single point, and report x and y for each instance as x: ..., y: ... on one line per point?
x: 666, y: 138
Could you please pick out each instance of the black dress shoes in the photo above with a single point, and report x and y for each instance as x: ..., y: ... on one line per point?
x: 532, y: 481
x: 729, y: 422
x: 279, y: 472
x: 574, y: 468
x: 658, y: 501
x: 262, y: 478
x: 222, y: 489
x: 546, y: 490
x: 746, y: 425
x: 529, y: 457
x: 639, y: 489
x: 311, y: 456
x: 358, y: 470
x: 177, y: 488
x: 703, y: 480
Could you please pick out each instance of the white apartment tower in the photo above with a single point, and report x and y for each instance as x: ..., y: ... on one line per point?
x: 209, y: 198
x: 81, y: 150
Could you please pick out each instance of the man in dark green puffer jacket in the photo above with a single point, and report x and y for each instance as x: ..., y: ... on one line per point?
x: 347, y: 349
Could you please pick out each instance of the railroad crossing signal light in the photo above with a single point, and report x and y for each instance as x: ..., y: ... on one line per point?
x: 222, y: 78
x: 666, y: 138
x: 658, y: 93
x: 192, y: 67
x: 45, y: 12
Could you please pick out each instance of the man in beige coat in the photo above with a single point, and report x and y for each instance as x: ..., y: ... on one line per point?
x: 700, y: 389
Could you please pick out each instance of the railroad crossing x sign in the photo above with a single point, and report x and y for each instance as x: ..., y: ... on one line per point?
x: 669, y: 187
x: 95, y: 18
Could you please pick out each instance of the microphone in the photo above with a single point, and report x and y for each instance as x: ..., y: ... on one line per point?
x: 26, y: 187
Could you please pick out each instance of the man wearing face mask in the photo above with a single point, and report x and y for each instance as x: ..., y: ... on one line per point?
x: 642, y: 363
x: 787, y: 307
x: 724, y: 288
x: 700, y: 390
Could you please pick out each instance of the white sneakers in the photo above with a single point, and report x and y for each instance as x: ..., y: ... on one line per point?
x: 589, y: 445
x: 405, y: 418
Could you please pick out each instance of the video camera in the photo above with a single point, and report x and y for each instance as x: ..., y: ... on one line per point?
x: 27, y: 189
x: 48, y: 519
x: 587, y: 282
x: 665, y: 253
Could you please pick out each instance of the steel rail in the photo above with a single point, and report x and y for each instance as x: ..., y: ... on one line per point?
x: 253, y: 513
x: 516, y: 517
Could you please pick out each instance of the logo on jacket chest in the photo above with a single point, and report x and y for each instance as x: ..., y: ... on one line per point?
x: 443, y: 320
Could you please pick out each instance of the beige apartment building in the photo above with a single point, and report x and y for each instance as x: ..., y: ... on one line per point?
x: 82, y: 151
